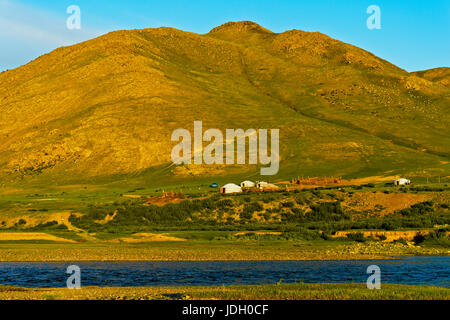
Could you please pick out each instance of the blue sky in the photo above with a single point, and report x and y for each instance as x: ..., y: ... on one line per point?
x: 415, y: 34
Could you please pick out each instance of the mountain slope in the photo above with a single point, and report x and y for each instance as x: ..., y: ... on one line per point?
x: 109, y: 105
x: 438, y: 75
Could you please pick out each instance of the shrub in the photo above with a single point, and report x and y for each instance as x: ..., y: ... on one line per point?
x: 325, y: 236
x: 388, y: 225
x: 300, y: 200
x: 225, y: 203
x: 297, y: 215
x: 421, y: 208
x: 356, y: 236
x: 326, y: 211
x: 418, y: 238
x: 402, y: 241
x: 303, y: 234
x: 249, y: 209
x: 288, y: 204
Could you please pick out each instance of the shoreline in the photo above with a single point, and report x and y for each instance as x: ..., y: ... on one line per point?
x: 365, y: 258
x: 294, y: 291
x: 211, y: 251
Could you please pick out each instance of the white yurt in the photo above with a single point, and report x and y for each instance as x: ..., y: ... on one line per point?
x: 402, y: 182
x: 261, y: 184
x: 247, y: 184
x: 230, y: 188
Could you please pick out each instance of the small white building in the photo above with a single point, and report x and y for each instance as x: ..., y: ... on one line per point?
x: 402, y: 182
x: 261, y: 184
x: 247, y: 184
x: 271, y: 186
x: 230, y: 188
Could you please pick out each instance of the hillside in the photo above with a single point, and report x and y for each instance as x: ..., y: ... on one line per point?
x: 439, y: 75
x: 107, y: 107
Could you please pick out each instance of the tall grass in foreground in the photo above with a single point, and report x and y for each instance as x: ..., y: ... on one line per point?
x: 297, y: 291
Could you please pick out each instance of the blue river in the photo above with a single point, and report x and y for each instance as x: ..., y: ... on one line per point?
x: 411, y: 270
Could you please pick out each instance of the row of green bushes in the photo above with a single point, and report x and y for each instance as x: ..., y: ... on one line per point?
x: 48, y: 226
x: 437, y: 237
x: 195, y: 214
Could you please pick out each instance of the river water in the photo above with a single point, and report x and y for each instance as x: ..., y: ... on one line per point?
x: 411, y: 270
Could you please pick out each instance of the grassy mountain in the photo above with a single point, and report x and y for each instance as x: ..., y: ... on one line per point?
x: 107, y: 107
x: 439, y: 75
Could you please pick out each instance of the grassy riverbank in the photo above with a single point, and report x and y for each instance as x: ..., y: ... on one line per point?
x: 363, y: 220
x: 262, y: 292
x: 212, y: 250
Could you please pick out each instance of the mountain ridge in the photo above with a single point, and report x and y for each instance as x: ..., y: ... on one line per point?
x: 107, y: 106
